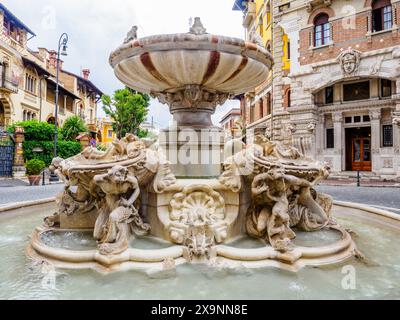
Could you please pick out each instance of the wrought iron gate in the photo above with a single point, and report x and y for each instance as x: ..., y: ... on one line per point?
x: 6, y: 155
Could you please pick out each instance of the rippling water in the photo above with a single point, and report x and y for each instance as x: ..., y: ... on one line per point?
x: 21, y: 279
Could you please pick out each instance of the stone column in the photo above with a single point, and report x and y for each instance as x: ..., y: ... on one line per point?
x: 375, y: 116
x: 319, y: 138
x: 19, y: 170
x: 338, y: 132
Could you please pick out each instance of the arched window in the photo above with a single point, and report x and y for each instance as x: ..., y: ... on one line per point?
x: 322, y: 30
x: 382, y: 17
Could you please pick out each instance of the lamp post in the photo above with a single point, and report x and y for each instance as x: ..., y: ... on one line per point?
x: 62, y: 44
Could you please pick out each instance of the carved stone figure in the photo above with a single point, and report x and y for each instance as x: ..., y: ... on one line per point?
x: 118, y: 215
x: 396, y: 121
x: 281, y: 181
x: 198, y: 28
x: 109, y: 183
x: 349, y: 61
x: 312, y: 126
x: 132, y: 34
x: 199, y: 243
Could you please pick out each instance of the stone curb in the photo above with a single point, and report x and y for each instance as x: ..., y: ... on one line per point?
x: 25, y: 204
x: 367, y: 208
x: 354, y: 184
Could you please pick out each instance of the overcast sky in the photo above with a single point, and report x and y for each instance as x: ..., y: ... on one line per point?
x: 96, y: 27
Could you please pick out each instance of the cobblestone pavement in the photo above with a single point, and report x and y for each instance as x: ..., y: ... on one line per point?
x: 382, y: 198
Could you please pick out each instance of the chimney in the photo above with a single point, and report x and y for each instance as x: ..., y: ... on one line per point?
x: 53, y: 59
x: 86, y: 73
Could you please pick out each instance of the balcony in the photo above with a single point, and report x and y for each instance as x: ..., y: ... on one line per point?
x: 8, y: 85
x: 249, y: 14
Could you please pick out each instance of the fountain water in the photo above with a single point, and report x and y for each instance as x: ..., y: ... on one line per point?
x: 196, y: 211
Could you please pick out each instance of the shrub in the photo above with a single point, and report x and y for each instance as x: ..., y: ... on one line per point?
x: 34, y: 167
x: 66, y: 149
x: 35, y: 130
x: 72, y: 127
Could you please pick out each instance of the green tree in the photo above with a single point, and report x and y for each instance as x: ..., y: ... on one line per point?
x: 72, y: 127
x: 128, y: 109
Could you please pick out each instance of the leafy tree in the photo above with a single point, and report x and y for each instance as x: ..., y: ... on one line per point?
x: 72, y: 127
x: 128, y: 109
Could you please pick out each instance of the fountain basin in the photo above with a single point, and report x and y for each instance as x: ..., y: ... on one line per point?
x: 168, y: 63
x: 21, y: 278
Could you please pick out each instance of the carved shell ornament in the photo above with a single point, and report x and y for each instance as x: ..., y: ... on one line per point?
x: 197, y: 205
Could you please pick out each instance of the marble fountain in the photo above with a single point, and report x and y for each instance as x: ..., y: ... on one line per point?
x: 150, y: 207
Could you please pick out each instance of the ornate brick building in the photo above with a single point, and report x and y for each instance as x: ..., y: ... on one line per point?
x: 28, y: 82
x: 339, y: 101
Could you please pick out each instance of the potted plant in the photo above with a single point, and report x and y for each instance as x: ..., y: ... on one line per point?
x: 33, y: 169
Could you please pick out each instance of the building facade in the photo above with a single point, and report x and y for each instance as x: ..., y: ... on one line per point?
x: 339, y: 101
x: 28, y: 82
x: 229, y: 123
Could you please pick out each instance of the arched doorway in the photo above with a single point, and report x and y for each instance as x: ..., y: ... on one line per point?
x: 51, y: 120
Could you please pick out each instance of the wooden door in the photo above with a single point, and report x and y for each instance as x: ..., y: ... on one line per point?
x: 361, y: 155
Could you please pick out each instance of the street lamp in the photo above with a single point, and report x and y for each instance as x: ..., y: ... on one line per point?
x: 62, y: 50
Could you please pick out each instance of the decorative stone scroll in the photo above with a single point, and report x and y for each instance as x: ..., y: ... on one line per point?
x: 281, y: 181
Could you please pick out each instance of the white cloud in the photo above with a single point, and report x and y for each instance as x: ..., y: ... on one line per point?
x: 96, y: 27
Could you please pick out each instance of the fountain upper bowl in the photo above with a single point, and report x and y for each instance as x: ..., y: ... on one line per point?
x: 168, y: 63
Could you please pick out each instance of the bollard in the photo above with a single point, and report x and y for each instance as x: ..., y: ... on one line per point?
x: 43, y: 178
x: 358, y: 179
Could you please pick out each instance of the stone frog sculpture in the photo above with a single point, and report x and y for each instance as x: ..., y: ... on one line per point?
x: 280, y: 181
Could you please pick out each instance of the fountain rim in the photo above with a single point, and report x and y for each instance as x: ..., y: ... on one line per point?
x: 379, y: 214
x: 186, y: 41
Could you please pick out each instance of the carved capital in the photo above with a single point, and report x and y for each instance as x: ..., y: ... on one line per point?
x: 375, y: 114
x: 337, y: 117
x: 192, y: 96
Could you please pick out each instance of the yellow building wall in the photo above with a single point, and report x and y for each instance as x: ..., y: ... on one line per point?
x: 285, y: 60
x: 105, y: 138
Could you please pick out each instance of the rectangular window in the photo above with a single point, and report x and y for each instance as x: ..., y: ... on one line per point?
x: 330, y: 139
x: 329, y: 95
x: 386, y: 88
x: 110, y: 133
x: 357, y: 119
x: 387, y: 17
x: 366, y: 119
x: 387, y: 135
x: 356, y: 91
x: 348, y: 119
x: 288, y: 50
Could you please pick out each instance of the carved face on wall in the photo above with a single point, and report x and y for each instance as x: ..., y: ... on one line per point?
x: 349, y: 61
